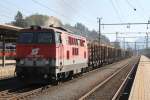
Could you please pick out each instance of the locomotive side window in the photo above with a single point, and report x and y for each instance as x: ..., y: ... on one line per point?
x: 82, y: 43
x: 69, y: 40
x: 84, y: 54
x: 58, y: 37
x: 75, y: 51
x: 73, y: 41
x: 68, y: 54
x: 78, y: 42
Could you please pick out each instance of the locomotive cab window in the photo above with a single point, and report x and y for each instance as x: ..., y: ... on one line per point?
x: 58, y: 37
x: 44, y: 38
x: 25, y: 38
x: 36, y: 37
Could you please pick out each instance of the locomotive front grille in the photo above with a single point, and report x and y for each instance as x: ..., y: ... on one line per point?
x: 29, y: 62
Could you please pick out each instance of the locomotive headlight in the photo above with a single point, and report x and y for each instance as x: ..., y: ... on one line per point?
x: 45, y: 76
x: 47, y: 62
x: 21, y: 62
x: 53, y: 62
x: 50, y: 62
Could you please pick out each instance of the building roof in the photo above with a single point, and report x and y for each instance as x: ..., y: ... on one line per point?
x: 10, y: 32
x: 9, y: 27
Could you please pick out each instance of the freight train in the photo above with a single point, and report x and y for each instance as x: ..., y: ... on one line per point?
x: 54, y: 53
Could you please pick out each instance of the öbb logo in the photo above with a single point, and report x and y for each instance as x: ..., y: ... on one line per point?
x: 35, y: 51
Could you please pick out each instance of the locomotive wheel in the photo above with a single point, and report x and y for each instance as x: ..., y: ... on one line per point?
x: 55, y: 82
x: 84, y: 70
x: 19, y: 76
x: 68, y: 76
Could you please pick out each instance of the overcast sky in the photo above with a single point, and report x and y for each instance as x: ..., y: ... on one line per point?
x: 84, y: 11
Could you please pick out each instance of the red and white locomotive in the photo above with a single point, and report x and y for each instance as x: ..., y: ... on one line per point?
x: 49, y: 53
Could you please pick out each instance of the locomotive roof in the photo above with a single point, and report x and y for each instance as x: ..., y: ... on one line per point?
x: 59, y: 29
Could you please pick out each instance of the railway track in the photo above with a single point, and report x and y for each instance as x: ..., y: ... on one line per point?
x: 102, y: 90
x: 125, y: 83
x: 26, y: 92
x: 12, y: 89
x: 21, y: 93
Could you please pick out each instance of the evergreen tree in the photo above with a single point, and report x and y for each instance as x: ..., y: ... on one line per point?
x: 19, y: 21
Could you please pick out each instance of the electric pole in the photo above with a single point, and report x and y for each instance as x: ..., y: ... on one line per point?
x: 99, y: 38
x: 146, y: 40
x: 135, y: 48
x: 124, y: 43
x: 99, y: 22
x: 116, y: 36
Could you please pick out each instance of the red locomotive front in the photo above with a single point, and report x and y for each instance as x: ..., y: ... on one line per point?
x: 49, y: 53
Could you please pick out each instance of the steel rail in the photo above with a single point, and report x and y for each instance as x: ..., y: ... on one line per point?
x: 124, y: 82
x: 27, y: 94
x: 104, y: 82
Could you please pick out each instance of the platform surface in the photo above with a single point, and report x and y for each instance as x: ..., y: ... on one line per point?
x: 8, y: 61
x: 141, y: 85
x: 8, y: 70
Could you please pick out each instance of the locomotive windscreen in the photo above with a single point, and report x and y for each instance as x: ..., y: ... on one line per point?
x: 25, y: 38
x: 37, y: 37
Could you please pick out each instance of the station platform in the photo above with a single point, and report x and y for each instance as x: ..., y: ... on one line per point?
x: 8, y: 70
x: 8, y: 62
x: 141, y: 85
